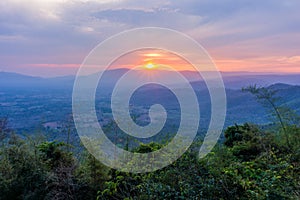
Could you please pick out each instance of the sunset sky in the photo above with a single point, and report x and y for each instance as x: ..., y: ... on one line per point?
x: 52, y: 37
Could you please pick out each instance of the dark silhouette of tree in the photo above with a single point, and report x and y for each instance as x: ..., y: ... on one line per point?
x: 268, y: 98
x: 4, y: 130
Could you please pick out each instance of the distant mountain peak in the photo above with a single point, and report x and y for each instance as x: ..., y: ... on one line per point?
x: 7, y: 75
x: 280, y: 86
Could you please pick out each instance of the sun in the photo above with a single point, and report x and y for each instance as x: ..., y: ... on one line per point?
x: 150, y: 66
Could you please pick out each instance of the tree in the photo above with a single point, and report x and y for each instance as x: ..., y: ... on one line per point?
x: 21, y: 177
x: 269, y: 98
x: 245, y: 141
x: 61, y: 183
x: 4, y: 130
x: 93, y: 174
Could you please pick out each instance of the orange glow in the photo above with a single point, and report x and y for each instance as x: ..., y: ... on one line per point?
x: 268, y: 64
x: 150, y: 66
x: 152, y: 55
x: 153, y: 59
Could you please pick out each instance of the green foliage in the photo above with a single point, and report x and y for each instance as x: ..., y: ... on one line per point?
x: 33, y: 168
x: 250, y: 164
x: 146, y: 148
x: 4, y: 130
x: 92, y: 175
x: 21, y: 175
x: 247, y: 141
x: 53, y: 155
x: 284, y: 115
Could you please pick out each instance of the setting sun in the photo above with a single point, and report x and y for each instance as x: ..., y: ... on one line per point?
x: 150, y: 66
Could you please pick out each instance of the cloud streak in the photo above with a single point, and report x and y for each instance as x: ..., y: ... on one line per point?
x: 240, y: 35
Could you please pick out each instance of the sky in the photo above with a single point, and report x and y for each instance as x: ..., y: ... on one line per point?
x: 52, y: 37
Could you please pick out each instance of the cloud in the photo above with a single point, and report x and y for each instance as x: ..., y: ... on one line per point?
x: 64, y: 31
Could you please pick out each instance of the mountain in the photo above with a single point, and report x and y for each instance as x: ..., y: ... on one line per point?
x: 8, y: 79
x: 31, y: 101
x: 232, y: 80
x: 18, y: 81
x: 238, y: 81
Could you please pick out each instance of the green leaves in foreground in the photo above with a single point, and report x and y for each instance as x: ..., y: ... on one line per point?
x: 249, y: 163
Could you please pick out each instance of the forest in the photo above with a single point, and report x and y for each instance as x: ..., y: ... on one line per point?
x: 250, y: 162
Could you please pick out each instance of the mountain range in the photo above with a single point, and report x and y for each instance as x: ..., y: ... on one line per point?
x: 29, y: 102
x: 232, y: 80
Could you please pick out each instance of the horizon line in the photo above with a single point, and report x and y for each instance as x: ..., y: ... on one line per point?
x: 186, y: 71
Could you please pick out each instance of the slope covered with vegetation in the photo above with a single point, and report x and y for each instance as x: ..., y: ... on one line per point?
x: 250, y: 164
